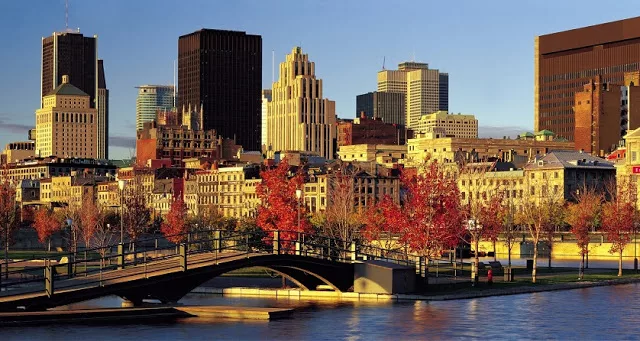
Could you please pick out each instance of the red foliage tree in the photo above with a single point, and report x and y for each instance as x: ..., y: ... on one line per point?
x: 46, y: 223
x: 584, y: 216
x: 279, y: 208
x: 489, y: 220
x: 618, y: 218
x: 91, y: 219
x: 429, y: 218
x: 377, y: 223
x: 175, y: 224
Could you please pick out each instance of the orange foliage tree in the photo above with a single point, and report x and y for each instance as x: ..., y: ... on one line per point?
x: 584, y: 216
x: 175, y: 224
x: 618, y: 218
x: 46, y: 223
x: 429, y: 218
x: 279, y: 208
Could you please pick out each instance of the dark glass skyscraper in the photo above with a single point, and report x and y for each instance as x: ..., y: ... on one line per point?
x: 222, y: 72
x: 72, y: 54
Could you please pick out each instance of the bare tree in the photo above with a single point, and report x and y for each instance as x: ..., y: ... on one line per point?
x: 136, y: 214
x: 342, y: 220
x: 9, y: 213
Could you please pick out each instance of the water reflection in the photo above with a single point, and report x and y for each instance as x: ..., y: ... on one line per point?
x: 601, y: 313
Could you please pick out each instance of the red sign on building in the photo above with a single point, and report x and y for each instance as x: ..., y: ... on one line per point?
x: 636, y: 169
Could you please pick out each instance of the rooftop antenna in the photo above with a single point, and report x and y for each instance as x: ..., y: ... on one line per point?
x: 66, y: 15
x: 273, y: 67
x: 384, y: 59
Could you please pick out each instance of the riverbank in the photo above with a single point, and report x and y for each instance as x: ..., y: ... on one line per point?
x: 457, y: 291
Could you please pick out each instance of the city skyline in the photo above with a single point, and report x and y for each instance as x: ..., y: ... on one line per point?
x: 348, y: 63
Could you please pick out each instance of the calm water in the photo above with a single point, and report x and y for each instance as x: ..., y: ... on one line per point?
x: 602, y: 313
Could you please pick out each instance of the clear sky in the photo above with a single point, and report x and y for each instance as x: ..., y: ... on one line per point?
x: 485, y: 46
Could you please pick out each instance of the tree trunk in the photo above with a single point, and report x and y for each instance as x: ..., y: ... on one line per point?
x: 620, y: 265
x: 509, y: 246
x: 476, y: 260
x: 49, y: 244
x: 550, y: 246
x: 495, y: 255
x: 581, y: 272
x: 535, y: 261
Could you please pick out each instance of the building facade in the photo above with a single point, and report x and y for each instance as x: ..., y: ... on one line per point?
x: 66, y: 125
x: 366, y: 130
x: 266, y: 98
x: 42, y: 168
x: 604, y: 112
x: 17, y: 151
x: 426, y: 90
x: 74, y: 55
x: 103, y: 114
x: 387, y: 106
x: 222, y: 72
x: 461, y: 126
x: 152, y: 98
x: 300, y: 118
x: 565, y: 61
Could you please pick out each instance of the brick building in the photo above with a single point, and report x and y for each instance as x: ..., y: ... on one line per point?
x: 364, y: 130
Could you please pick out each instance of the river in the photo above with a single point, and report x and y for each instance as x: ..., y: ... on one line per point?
x: 600, y: 313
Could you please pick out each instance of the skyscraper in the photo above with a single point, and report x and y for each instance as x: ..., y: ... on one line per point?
x: 426, y: 90
x: 152, y: 98
x: 266, y: 98
x: 102, y: 116
x: 565, y: 61
x: 74, y: 55
x: 388, y: 106
x: 222, y: 72
x: 299, y: 118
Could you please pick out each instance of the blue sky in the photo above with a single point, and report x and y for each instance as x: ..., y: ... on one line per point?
x: 485, y: 46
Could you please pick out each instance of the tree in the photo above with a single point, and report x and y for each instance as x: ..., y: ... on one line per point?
x: 91, y: 218
x: 618, y: 217
x: 377, y: 224
x: 46, y: 223
x: 487, y: 223
x: 584, y: 216
x: 342, y: 220
x: 9, y: 214
x: 136, y: 215
x: 429, y: 217
x: 509, y: 229
x: 539, y: 211
x: 279, y: 208
x: 175, y: 224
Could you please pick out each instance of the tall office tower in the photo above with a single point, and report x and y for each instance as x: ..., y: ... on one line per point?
x: 388, y: 106
x: 152, y: 98
x: 103, y: 114
x: 299, y: 118
x: 222, y: 72
x: 266, y: 98
x: 74, y: 55
x: 66, y: 125
x: 426, y: 90
x: 565, y: 61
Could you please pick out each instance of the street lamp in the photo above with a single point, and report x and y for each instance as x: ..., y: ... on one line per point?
x: 635, y: 255
x: 121, y: 184
x: 298, y: 195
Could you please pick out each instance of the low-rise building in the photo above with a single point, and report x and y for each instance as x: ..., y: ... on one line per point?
x: 387, y: 155
x: 17, y: 151
x: 230, y: 189
x: 364, y: 130
x: 41, y: 168
x: 460, y: 126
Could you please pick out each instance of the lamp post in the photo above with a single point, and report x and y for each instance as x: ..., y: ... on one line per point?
x: 298, y: 196
x: 121, y: 184
x: 635, y: 255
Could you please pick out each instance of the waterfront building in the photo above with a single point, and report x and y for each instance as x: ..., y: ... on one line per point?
x: 300, y: 118
x: 151, y: 99
x: 426, y: 90
x: 66, y: 125
x: 565, y: 61
x: 222, y: 72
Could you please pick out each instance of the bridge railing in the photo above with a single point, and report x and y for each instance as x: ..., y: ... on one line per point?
x: 143, y: 257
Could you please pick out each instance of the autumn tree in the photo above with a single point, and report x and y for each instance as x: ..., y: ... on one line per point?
x: 91, y: 218
x: 9, y: 213
x: 175, y: 224
x: 46, y: 223
x: 103, y: 235
x: 279, y: 208
x: 487, y: 223
x: 618, y: 217
x: 584, y: 216
x: 429, y: 217
x: 539, y: 212
x: 136, y: 215
x: 342, y: 220
x: 378, y: 226
x: 509, y: 229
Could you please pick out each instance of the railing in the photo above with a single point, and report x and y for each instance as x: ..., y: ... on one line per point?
x: 97, y: 267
